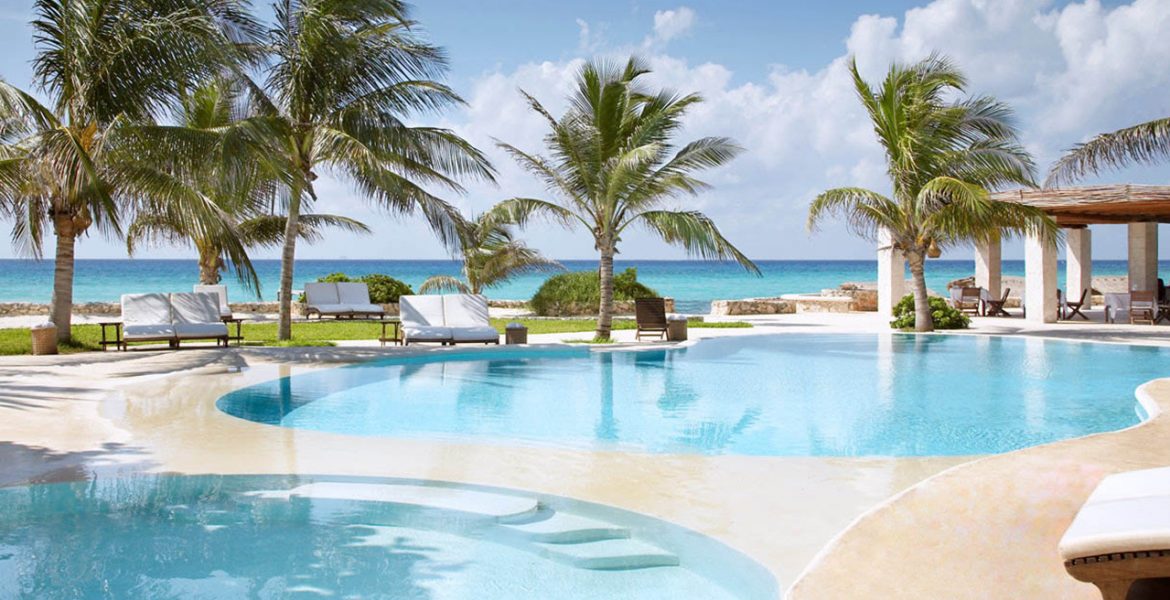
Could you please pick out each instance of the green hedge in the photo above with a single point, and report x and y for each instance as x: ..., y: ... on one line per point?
x: 944, y: 315
x: 580, y: 292
x: 384, y: 289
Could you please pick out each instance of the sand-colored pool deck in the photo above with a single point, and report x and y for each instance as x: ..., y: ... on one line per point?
x: 956, y: 527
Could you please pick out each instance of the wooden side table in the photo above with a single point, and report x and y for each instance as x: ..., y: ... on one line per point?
x: 396, y: 338
x: 239, y: 323
x: 116, y: 342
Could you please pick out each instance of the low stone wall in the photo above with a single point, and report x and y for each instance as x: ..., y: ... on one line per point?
x: 752, y: 306
x: 620, y: 307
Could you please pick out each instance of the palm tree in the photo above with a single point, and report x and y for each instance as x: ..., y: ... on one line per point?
x: 1146, y: 144
x: 944, y: 155
x: 613, y: 165
x: 108, y: 66
x: 342, y: 77
x: 491, y: 255
x: 247, y: 197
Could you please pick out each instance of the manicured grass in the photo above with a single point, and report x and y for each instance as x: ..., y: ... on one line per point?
x: 320, y: 333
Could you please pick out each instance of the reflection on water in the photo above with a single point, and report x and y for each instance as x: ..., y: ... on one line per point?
x: 819, y: 395
x: 206, y: 537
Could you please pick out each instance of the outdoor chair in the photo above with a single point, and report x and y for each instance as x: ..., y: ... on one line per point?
x: 995, y: 308
x: 970, y: 300
x: 220, y: 291
x: 422, y: 320
x: 1142, y: 307
x: 1074, y: 308
x: 1120, y: 539
x: 650, y: 314
x: 467, y: 317
x: 197, y: 317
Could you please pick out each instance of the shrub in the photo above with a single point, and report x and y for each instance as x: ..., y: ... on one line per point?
x: 384, y: 289
x: 944, y: 315
x: 580, y: 292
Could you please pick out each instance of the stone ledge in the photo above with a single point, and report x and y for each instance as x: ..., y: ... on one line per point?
x: 752, y: 306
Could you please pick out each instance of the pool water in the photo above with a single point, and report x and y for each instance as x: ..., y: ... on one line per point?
x: 227, y: 537
x: 771, y: 395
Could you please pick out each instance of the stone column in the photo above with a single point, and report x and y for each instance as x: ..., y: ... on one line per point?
x: 989, y: 266
x: 1040, y: 280
x: 891, y: 275
x: 1143, y: 256
x: 1079, y: 264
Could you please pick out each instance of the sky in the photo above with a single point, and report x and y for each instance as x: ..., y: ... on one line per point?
x: 774, y: 78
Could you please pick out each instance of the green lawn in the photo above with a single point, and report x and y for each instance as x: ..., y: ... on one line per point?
x: 317, y: 333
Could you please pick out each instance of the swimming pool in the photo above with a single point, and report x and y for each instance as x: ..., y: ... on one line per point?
x: 225, y: 537
x: 771, y: 395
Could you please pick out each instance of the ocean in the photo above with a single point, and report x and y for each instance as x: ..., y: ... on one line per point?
x: 693, y: 284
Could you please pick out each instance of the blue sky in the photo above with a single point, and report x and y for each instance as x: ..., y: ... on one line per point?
x: 773, y: 76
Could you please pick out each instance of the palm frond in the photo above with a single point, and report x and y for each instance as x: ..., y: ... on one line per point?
x: 1145, y: 144
x: 696, y: 233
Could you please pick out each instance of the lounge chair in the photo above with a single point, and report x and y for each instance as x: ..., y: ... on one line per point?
x: 1120, y: 539
x: 197, y: 317
x: 147, y: 318
x: 1074, y: 308
x: 467, y: 317
x: 225, y: 311
x: 422, y: 320
x: 970, y: 300
x: 1142, y: 307
x: 650, y: 314
x: 340, y: 300
x: 995, y: 308
x: 355, y: 297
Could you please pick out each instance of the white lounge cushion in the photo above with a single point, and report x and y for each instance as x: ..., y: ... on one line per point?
x: 367, y: 309
x: 353, y: 292
x: 157, y: 331
x: 318, y: 294
x: 1128, y: 512
x: 146, y: 309
x: 465, y: 310
x: 479, y: 333
x: 187, y: 331
x: 194, y: 308
x: 221, y: 292
x: 421, y: 311
x: 331, y: 309
x: 426, y: 333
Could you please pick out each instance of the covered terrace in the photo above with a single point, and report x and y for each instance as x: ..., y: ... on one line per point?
x: 1140, y: 207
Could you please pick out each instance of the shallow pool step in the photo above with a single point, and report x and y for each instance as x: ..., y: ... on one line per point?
x: 561, y: 528
x: 616, y: 555
x: 465, y: 502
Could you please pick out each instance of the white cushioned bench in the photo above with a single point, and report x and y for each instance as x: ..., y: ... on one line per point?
x: 1121, y: 536
x: 172, y: 318
x: 346, y: 299
x: 447, y: 319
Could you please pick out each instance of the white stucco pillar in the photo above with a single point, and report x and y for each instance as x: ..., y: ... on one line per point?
x: 891, y: 275
x: 1040, y: 280
x: 1078, y: 264
x: 1143, y: 256
x: 989, y: 266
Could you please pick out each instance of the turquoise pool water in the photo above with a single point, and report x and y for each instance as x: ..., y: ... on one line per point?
x: 771, y: 395
x: 229, y: 537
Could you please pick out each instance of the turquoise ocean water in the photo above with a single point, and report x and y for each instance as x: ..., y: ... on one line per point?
x: 694, y: 284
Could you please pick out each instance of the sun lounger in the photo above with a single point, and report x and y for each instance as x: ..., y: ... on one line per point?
x: 467, y: 316
x: 340, y: 300
x: 447, y: 319
x: 650, y: 314
x: 220, y: 291
x: 196, y: 317
x: 1120, y: 539
x: 422, y: 320
x: 147, y: 318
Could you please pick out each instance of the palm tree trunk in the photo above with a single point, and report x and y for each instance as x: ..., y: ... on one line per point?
x: 61, y: 305
x: 287, y: 256
x: 210, y: 264
x: 923, y: 321
x: 605, y: 310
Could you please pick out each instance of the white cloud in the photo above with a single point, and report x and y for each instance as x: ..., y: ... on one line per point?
x: 671, y: 24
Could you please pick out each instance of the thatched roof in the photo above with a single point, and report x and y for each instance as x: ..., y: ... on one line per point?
x: 1099, y: 204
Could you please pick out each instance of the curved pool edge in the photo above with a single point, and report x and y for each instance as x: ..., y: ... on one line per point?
x: 1037, y: 490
